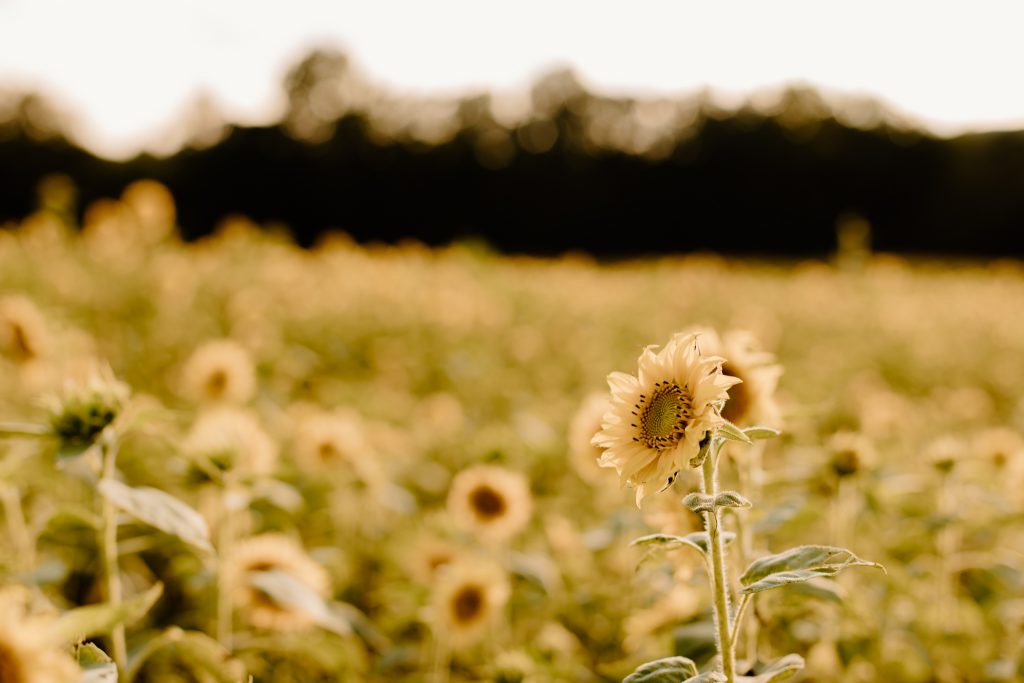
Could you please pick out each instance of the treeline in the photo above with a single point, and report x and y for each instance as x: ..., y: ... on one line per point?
x: 576, y: 171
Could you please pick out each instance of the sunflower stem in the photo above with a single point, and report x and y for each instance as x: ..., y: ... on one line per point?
x: 11, y: 429
x: 108, y: 542
x: 225, y: 540
x: 719, y: 589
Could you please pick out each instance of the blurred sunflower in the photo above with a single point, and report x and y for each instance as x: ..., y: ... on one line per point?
x: 469, y: 598
x: 24, y: 336
x: 324, y: 441
x: 658, y: 419
x: 583, y: 455
x: 850, y: 453
x: 84, y: 408
x: 430, y: 556
x: 28, y: 651
x: 277, y: 553
x: 230, y: 438
x: 490, y: 501
x: 219, y: 371
x: 753, y: 401
x: 1000, y: 447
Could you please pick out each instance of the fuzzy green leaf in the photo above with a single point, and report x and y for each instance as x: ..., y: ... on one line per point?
x: 797, y: 565
x: 733, y: 433
x: 655, y: 543
x: 95, y: 620
x: 667, y: 670
x: 708, y: 677
x: 731, y: 499
x: 161, y: 510
x: 761, y: 433
x: 778, y: 670
x: 699, y: 502
x: 286, y: 590
x: 96, y: 666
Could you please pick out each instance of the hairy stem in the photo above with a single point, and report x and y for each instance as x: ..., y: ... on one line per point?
x: 751, y: 477
x: 740, y: 613
x: 108, y: 543
x: 718, y: 586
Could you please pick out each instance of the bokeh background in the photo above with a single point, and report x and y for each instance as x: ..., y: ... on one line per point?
x: 538, y: 129
x: 355, y: 264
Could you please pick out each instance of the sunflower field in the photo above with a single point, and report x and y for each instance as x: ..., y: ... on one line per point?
x: 236, y: 459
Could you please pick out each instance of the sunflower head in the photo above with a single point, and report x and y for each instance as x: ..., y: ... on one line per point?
x: 583, y: 455
x: 220, y: 372
x: 23, y: 331
x: 231, y: 439
x: 468, y: 598
x: 753, y: 400
x: 659, y: 417
x: 850, y: 453
x: 278, y: 553
x: 80, y: 413
x: 490, y: 501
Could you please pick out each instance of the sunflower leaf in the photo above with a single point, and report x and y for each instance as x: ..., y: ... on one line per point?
x: 708, y: 677
x: 731, y: 499
x: 797, y: 565
x: 731, y: 432
x: 657, y: 543
x: 160, y: 510
x: 699, y: 502
x: 667, y: 670
x: 288, y: 591
x: 778, y: 670
x: 96, y: 666
x: 761, y: 432
x: 95, y: 620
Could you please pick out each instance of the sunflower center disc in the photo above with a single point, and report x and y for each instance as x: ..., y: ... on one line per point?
x: 666, y: 413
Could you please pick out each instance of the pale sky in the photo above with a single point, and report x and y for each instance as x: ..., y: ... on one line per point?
x: 128, y: 68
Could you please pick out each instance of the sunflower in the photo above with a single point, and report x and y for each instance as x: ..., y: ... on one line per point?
x: 219, y: 371
x: 851, y: 453
x: 468, y: 599
x: 277, y: 553
x: 325, y: 441
x: 490, y: 501
x: 24, y: 336
x: 28, y: 651
x: 230, y: 438
x: 430, y: 556
x: 583, y: 455
x: 753, y: 401
x: 87, y: 406
x: 658, y: 419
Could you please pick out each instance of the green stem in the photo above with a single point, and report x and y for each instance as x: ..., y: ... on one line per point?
x: 718, y: 585
x: 225, y: 540
x: 740, y: 613
x: 30, y: 430
x: 108, y: 543
x: 751, y: 476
